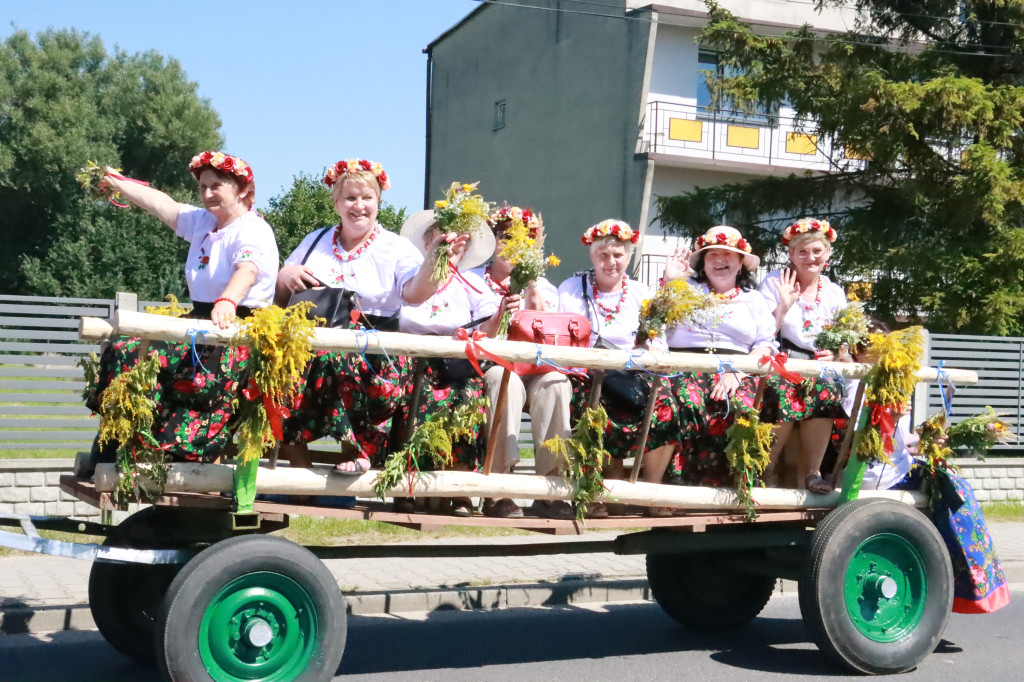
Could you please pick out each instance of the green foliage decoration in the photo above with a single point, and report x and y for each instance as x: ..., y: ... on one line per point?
x: 748, y: 450
x: 434, y: 438
x: 585, y: 456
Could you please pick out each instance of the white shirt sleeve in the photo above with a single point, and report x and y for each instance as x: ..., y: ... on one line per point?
x: 193, y: 221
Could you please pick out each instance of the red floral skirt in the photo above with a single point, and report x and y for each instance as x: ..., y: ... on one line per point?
x: 811, y: 399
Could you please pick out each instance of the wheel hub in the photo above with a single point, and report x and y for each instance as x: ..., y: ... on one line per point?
x: 885, y: 587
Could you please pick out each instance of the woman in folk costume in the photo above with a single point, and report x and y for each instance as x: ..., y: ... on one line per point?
x: 230, y: 270
x: 353, y: 397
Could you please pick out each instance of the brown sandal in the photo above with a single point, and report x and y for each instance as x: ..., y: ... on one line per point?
x: 817, y: 484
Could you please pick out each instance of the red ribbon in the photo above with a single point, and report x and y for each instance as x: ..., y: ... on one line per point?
x: 275, y: 412
x: 882, y: 417
x: 778, y: 365
x: 121, y: 177
x: 473, y: 347
x: 455, y: 271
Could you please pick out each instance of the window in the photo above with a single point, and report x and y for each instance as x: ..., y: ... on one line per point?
x: 499, y: 114
x: 708, y: 61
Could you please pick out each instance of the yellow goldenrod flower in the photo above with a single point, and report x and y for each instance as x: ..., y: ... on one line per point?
x: 554, y: 261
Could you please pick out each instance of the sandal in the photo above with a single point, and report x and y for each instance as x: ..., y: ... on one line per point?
x: 817, y: 484
x: 502, y: 509
x: 462, y: 507
x: 553, y: 509
x: 360, y: 466
x: 597, y: 510
x: 658, y: 512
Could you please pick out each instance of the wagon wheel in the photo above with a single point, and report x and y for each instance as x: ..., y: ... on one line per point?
x: 706, y: 591
x: 877, y: 587
x: 124, y: 598
x: 252, y: 608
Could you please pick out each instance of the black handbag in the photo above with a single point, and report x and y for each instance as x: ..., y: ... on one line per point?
x: 338, y: 306
x: 624, y: 392
x: 459, y: 370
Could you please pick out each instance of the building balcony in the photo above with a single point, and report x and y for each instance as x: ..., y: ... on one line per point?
x: 685, y: 135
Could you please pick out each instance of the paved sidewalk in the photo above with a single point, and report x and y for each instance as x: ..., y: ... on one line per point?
x: 46, y: 593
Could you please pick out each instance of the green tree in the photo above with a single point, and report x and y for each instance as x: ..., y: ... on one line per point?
x: 308, y: 205
x: 930, y: 93
x: 64, y: 100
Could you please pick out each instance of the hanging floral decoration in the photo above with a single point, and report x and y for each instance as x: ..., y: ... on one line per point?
x: 889, y: 386
x: 462, y: 211
x: 674, y: 303
x: 172, y: 309
x: 279, y: 342
x: 522, y: 245
x: 585, y: 457
x: 848, y: 326
x: 126, y: 419
x: 979, y: 433
x: 748, y: 450
x: 434, y: 438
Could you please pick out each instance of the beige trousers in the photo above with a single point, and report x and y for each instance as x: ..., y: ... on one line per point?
x: 546, y: 396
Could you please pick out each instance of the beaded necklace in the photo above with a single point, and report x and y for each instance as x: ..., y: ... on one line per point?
x: 727, y: 296
x: 352, y: 255
x: 609, y: 313
x: 806, y: 308
x: 496, y: 287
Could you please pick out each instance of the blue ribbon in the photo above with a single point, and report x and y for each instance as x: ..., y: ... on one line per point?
x: 363, y: 334
x: 540, y: 359
x: 197, y: 362
x: 638, y: 353
x: 947, y: 398
x: 723, y: 367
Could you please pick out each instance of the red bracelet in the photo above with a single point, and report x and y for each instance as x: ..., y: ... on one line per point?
x: 224, y: 298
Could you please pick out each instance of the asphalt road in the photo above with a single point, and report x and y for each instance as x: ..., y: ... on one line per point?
x: 614, y: 642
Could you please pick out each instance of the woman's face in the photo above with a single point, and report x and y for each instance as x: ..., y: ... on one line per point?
x: 722, y: 267
x: 356, y: 204
x: 810, y: 257
x: 610, y: 260
x: 220, y: 197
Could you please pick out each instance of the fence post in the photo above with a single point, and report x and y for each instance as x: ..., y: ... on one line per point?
x: 126, y: 301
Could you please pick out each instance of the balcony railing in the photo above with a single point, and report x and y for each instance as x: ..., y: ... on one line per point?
x: 686, y: 130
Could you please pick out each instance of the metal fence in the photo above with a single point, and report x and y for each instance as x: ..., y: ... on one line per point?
x: 41, y: 383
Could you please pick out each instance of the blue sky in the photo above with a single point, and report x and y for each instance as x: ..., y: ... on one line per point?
x: 298, y: 84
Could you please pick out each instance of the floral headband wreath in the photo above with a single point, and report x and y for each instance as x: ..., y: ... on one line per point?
x: 515, y: 214
x: 723, y: 238
x: 346, y: 166
x: 611, y: 228
x: 220, y: 161
x: 807, y: 225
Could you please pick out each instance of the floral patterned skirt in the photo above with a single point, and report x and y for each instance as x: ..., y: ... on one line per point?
x: 696, y: 425
x: 621, y: 433
x: 979, y: 584
x: 352, y: 398
x: 195, y: 395
x: 436, y: 394
x: 816, y: 398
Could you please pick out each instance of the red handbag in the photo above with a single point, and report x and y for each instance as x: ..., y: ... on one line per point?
x: 551, y: 329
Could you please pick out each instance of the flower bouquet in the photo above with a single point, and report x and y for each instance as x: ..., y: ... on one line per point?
x: 674, y: 303
x: 980, y: 432
x: 523, y: 247
x: 90, y: 177
x: 462, y: 211
x: 849, y: 325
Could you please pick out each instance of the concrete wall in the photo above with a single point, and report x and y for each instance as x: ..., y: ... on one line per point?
x: 31, y: 486
x: 573, y: 87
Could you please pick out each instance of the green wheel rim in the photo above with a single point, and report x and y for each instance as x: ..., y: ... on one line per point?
x: 885, y: 587
x: 261, y: 626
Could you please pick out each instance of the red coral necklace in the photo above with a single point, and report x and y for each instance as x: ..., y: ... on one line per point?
x: 609, y: 313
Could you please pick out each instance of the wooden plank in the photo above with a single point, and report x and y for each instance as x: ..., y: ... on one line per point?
x: 54, y: 323
x: 77, y: 348
x: 44, y: 422
x: 44, y: 334
x: 54, y: 310
x: 40, y: 398
x: 39, y: 360
x: 42, y: 385
x: 60, y: 434
x: 57, y: 410
x: 43, y: 372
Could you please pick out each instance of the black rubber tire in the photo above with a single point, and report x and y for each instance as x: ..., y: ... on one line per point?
x: 125, y: 598
x: 705, y: 591
x: 202, y: 579
x: 821, y: 588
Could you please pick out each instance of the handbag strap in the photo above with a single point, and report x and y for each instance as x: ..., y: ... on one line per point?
x: 591, y: 306
x: 315, y: 242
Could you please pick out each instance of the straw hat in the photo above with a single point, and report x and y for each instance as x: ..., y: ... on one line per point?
x: 729, y: 239
x: 478, y: 250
